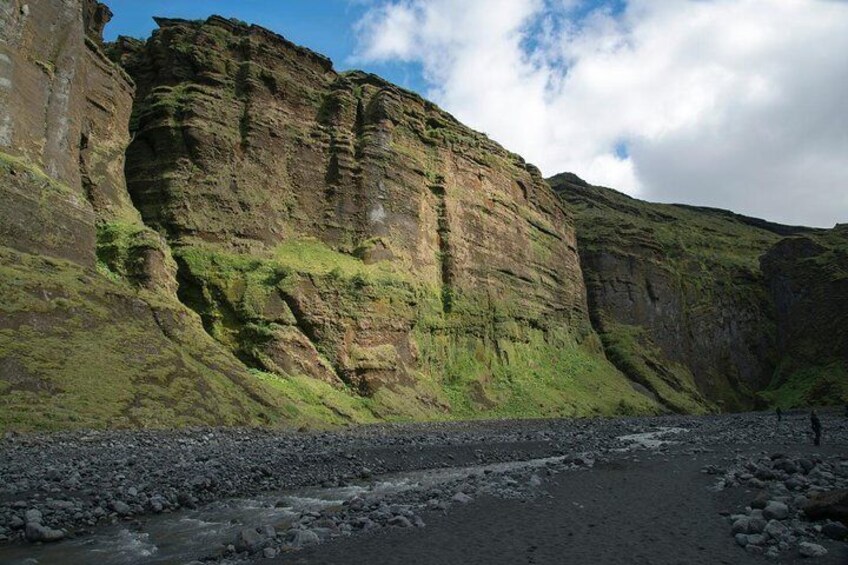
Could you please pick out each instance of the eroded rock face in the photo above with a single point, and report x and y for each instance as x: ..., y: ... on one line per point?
x: 244, y: 142
x: 91, y: 333
x: 736, y: 306
x: 807, y: 278
x: 677, y: 294
x: 64, y: 108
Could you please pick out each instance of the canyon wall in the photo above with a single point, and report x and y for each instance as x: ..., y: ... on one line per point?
x: 214, y: 226
x: 707, y: 308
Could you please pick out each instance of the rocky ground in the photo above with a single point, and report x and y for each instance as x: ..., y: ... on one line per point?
x: 735, y: 488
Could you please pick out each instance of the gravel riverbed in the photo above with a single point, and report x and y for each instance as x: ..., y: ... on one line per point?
x: 744, y: 484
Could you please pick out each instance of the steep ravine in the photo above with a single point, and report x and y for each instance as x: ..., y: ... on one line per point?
x: 709, y: 308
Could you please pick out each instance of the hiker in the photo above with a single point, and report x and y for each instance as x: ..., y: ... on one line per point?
x: 817, y: 427
x: 779, y: 413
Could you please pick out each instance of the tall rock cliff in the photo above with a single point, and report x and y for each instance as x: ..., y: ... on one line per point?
x: 684, y: 307
x: 91, y: 333
x: 282, y: 243
x: 807, y: 276
x: 337, y: 226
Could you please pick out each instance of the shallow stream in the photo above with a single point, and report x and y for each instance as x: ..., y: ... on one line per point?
x: 187, y: 535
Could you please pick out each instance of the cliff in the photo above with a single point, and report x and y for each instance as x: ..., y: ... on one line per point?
x: 338, y: 226
x: 213, y: 226
x: 91, y: 332
x: 708, y: 308
x: 232, y: 232
x: 807, y: 276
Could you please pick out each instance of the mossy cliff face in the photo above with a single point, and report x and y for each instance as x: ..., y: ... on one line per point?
x: 684, y: 307
x: 293, y: 245
x: 337, y: 226
x: 91, y: 332
x: 807, y: 276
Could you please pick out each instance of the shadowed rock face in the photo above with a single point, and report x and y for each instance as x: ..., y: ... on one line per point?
x: 679, y: 297
x: 807, y: 277
x: 244, y: 142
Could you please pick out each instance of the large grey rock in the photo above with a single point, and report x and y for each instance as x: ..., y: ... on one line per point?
x: 757, y: 539
x: 808, y: 549
x: 835, y: 530
x: 461, y: 497
x: 400, y: 522
x: 33, y: 516
x: 302, y: 538
x: 249, y: 540
x: 122, y: 508
x: 740, y: 526
x: 831, y: 505
x: 756, y: 525
x: 37, y: 532
x: 776, y: 530
x: 776, y: 511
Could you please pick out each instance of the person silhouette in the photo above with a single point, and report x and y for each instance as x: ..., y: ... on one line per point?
x: 817, y: 427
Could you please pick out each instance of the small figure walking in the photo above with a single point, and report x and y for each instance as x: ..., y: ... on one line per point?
x: 779, y: 413
x: 817, y: 427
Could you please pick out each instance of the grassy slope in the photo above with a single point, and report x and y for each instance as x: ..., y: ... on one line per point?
x: 475, y: 362
x: 82, y: 350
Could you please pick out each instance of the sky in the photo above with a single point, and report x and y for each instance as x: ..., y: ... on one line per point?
x: 736, y: 104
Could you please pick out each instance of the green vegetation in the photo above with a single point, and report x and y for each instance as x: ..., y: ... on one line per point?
x: 631, y: 350
x: 121, y: 248
x: 700, y: 243
x: 547, y: 375
x: 79, y: 350
x: 316, y: 404
x: 825, y: 385
x: 475, y: 359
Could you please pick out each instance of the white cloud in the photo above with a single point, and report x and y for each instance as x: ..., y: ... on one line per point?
x: 741, y: 104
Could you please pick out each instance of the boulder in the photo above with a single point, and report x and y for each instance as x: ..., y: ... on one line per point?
x: 831, y: 505
x: 808, y: 549
x: 37, y: 532
x: 249, y: 540
x: 776, y: 511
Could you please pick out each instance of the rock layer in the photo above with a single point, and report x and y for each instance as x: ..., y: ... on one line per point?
x: 91, y: 333
x: 385, y: 233
x: 685, y: 308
